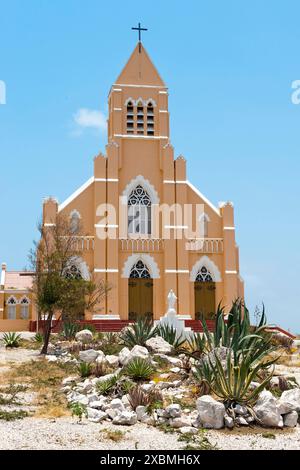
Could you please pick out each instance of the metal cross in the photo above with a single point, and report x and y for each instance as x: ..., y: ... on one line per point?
x: 139, y: 29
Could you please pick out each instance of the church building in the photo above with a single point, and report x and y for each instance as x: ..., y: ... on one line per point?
x: 148, y: 255
x: 140, y: 167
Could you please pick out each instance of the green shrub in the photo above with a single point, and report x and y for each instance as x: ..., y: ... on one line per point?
x: 110, y: 343
x: 69, y: 330
x: 138, y: 333
x: 84, y: 369
x: 78, y: 410
x: 107, y: 386
x: 38, y: 338
x: 11, y: 340
x: 139, y: 369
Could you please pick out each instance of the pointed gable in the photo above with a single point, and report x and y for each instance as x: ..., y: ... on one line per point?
x: 140, y: 70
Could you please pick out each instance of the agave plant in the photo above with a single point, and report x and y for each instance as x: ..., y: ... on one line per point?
x: 231, y: 381
x: 11, y: 340
x: 84, y: 369
x: 38, y: 338
x: 237, y: 334
x: 197, y: 345
x: 204, y: 375
x: 69, y: 330
x: 139, y: 369
x: 138, y: 333
x: 108, y: 386
x: 169, y: 334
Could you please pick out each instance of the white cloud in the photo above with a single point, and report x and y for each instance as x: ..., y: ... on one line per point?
x: 86, y: 118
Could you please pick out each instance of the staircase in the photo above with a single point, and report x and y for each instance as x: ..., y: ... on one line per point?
x: 114, y: 326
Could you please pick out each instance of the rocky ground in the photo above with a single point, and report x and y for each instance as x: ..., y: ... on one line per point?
x: 54, y: 429
x: 66, y: 433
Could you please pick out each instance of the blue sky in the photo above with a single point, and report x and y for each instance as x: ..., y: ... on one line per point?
x: 229, y: 67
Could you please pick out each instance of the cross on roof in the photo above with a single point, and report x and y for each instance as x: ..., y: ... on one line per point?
x: 139, y: 29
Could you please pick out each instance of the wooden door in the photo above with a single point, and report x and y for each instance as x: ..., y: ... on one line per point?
x: 205, y: 299
x: 140, y: 297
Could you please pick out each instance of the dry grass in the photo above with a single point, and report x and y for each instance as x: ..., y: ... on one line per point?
x: 112, y: 435
x: 45, y: 379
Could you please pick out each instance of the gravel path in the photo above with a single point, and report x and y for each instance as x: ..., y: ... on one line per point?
x: 66, y: 433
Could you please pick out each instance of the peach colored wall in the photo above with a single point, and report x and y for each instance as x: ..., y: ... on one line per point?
x: 14, y: 325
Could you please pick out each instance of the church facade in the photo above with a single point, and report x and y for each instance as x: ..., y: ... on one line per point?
x: 140, y: 260
x: 146, y: 228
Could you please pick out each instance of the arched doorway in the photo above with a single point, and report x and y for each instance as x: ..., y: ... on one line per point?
x: 140, y: 292
x: 205, y: 294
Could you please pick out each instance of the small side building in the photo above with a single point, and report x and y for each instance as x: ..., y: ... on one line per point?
x: 16, y: 306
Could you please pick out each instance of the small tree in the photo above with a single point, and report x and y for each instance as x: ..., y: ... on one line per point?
x: 56, y: 289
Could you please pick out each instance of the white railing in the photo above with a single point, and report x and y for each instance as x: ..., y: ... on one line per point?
x: 141, y: 244
x: 83, y: 242
x: 205, y: 245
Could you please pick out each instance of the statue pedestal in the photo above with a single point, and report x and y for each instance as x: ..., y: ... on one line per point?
x: 172, y: 319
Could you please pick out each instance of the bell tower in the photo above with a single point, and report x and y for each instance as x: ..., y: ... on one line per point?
x: 138, y: 101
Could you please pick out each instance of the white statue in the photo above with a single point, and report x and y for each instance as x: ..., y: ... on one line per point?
x: 171, y: 301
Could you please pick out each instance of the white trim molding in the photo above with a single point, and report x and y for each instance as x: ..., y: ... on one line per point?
x: 206, y: 262
x: 148, y: 260
x: 140, y: 180
x: 110, y: 270
x: 76, y: 194
x: 203, y: 197
x: 230, y: 272
x: 49, y: 225
x: 106, y: 226
x: 135, y: 136
x: 108, y: 180
x: 228, y: 228
x: 177, y: 271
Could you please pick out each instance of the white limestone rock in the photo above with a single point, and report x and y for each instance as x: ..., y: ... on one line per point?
x: 117, y: 404
x: 181, y: 422
x: 89, y: 356
x: 157, y: 344
x: 136, y: 352
x: 124, y: 355
x: 95, y: 415
x: 267, y: 411
x: 188, y: 430
x: 72, y: 379
x: 125, y: 418
x: 210, y: 412
x: 101, y: 358
x: 229, y: 423
x: 112, y: 360
x: 290, y: 420
x: 173, y: 411
x: 141, y: 411
x: 84, y: 336
x: 289, y: 401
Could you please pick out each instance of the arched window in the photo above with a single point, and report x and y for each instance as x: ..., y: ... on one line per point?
x: 12, y: 308
x: 139, y: 270
x: 139, y: 211
x: 204, y: 275
x: 130, y: 118
x: 74, y: 221
x: 72, y: 272
x: 140, y: 117
x: 150, y: 119
x: 24, y: 314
